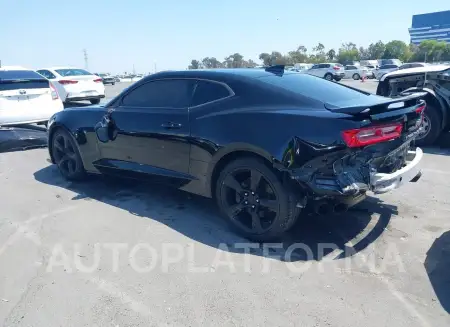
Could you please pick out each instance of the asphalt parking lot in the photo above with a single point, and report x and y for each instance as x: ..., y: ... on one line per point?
x: 113, y: 253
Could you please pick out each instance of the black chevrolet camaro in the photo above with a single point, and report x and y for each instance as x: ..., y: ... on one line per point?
x: 264, y: 143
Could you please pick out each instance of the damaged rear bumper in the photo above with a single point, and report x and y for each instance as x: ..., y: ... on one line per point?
x: 347, y: 176
x: 383, y: 183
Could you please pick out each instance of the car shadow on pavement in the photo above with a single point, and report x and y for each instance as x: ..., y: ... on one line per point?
x: 437, y: 265
x: 198, y: 218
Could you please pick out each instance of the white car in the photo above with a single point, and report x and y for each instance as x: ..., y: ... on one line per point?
x: 26, y: 97
x: 75, y: 84
x: 329, y: 71
x: 382, y: 70
x: 356, y: 72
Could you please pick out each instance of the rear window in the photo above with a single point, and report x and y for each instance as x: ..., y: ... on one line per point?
x: 19, y: 74
x: 72, y: 72
x: 314, y: 88
x: 21, y: 79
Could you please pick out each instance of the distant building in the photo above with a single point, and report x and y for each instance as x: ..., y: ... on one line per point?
x: 432, y: 26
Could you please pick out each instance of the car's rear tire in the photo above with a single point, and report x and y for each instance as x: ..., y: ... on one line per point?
x: 432, y: 124
x: 356, y: 76
x: 254, y: 200
x: 328, y: 77
x: 66, y: 155
x: 95, y: 101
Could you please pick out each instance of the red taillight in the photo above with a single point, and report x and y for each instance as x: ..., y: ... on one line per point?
x: 370, y: 135
x: 54, y: 92
x: 65, y: 82
x: 98, y: 80
x: 336, y: 67
x: 421, y: 109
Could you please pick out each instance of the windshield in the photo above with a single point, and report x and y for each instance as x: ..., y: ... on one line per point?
x: 72, y: 72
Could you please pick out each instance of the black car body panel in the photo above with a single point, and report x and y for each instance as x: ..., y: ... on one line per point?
x: 295, y: 133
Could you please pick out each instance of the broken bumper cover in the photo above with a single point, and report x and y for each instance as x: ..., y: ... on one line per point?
x: 383, y: 183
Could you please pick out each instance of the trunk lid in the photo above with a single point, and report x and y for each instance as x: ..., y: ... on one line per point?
x: 24, y: 93
x: 384, y: 110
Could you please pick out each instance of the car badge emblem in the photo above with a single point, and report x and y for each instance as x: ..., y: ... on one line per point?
x: 22, y: 92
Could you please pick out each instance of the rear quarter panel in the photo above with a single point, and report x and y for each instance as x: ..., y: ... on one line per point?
x: 269, y: 131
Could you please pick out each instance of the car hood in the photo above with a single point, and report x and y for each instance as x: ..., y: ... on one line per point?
x: 416, y: 70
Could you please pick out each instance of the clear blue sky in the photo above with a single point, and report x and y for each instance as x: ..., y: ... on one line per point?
x: 118, y: 34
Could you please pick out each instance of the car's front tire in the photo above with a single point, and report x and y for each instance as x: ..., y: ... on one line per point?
x: 431, y: 125
x: 254, y: 200
x: 95, y: 101
x: 356, y: 76
x: 66, y: 155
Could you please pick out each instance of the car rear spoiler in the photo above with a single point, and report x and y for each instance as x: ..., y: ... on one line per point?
x: 387, y: 104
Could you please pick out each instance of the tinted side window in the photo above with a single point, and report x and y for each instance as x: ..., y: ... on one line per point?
x: 173, y: 94
x: 315, y: 67
x: 209, y: 91
x: 324, y: 66
x: 416, y: 65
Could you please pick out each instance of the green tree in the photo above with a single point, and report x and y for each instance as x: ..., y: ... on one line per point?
x: 364, y: 53
x: 195, y: 64
x: 376, y: 50
x: 235, y: 60
x: 348, y: 52
x: 251, y: 64
x: 349, y: 46
x: 211, y: 62
x: 265, y: 58
x: 331, y: 54
x: 396, y: 50
x: 319, y: 54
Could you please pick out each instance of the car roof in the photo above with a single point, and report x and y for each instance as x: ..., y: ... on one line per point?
x: 13, y: 68
x: 428, y: 68
x: 217, y: 73
x: 60, y: 67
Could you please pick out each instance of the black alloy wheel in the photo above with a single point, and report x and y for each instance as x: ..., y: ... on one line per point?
x: 66, y: 155
x: 254, y: 200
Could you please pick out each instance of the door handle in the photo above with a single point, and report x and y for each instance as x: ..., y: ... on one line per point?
x: 170, y: 125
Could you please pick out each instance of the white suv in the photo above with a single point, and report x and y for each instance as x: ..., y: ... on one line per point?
x: 329, y: 71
